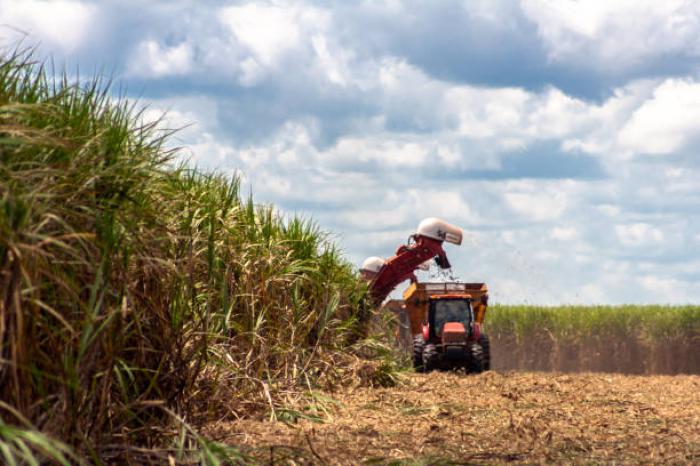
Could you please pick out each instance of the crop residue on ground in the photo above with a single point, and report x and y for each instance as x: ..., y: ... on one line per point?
x: 493, y: 418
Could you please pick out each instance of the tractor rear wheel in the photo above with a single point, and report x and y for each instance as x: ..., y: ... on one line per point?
x: 486, y: 350
x: 418, y: 345
x: 430, y: 358
x: 475, y: 359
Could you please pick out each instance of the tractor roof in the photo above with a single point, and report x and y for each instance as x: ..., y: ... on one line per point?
x: 451, y: 296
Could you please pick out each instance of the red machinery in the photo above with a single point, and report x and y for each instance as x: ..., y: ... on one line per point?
x: 422, y: 246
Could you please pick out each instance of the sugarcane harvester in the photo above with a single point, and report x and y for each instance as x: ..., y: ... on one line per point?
x: 445, y: 317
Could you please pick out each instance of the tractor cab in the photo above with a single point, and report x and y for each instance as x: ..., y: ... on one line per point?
x: 450, y: 315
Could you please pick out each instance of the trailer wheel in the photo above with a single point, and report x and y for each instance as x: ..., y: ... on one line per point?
x: 418, y: 345
x: 486, y: 350
x: 430, y: 358
x: 475, y: 359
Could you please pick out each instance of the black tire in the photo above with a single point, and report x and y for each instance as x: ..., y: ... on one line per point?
x: 430, y: 358
x: 475, y: 359
x: 418, y: 345
x: 486, y: 350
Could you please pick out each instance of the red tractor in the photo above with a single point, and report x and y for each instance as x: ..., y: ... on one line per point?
x: 447, y: 319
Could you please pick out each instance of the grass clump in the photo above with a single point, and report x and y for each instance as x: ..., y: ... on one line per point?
x: 131, y: 288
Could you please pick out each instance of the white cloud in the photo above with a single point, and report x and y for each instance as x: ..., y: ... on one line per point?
x: 643, y: 117
x: 666, y: 122
x: 334, y: 65
x: 369, y: 219
x: 609, y: 210
x: 616, y: 34
x: 388, y: 151
x: 190, y: 115
x: 152, y: 60
x: 638, y: 234
x: 61, y: 23
x: 668, y: 290
x: 486, y: 113
x: 442, y: 203
x: 508, y: 236
x: 270, y: 33
x: 546, y: 256
x: 558, y: 114
x: 563, y: 233
x: 592, y: 293
x: 536, y: 202
x: 505, y: 118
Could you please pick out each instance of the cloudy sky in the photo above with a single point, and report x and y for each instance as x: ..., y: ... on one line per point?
x: 562, y: 135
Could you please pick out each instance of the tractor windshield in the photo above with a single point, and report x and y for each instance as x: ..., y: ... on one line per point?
x: 451, y: 310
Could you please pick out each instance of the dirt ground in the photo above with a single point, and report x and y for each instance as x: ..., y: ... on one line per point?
x: 491, y: 418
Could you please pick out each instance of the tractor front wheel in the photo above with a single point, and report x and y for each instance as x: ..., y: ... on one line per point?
x: 486, y: 350
x: 475, y: 359
x: 418, y: 345
x: 430, y: 357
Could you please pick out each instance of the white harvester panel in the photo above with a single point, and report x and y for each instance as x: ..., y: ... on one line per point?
x: 441, y: 230
x: 372, y: 264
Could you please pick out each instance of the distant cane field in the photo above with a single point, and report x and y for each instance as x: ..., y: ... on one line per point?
x: 626, y: 339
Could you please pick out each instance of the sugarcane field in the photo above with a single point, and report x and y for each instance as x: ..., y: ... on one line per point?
x: 391, y: 232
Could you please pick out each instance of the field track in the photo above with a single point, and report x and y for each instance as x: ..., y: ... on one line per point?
x: 492, y: 418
